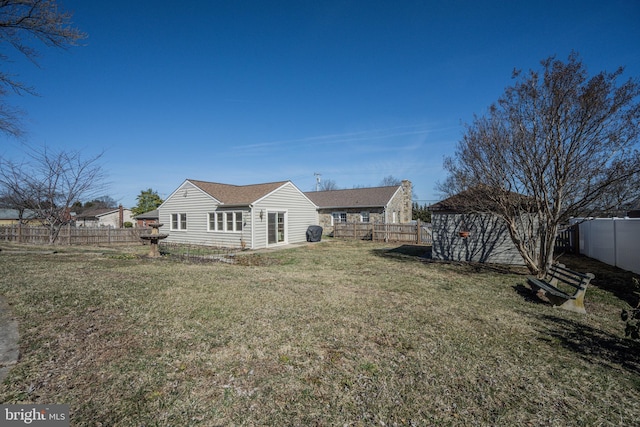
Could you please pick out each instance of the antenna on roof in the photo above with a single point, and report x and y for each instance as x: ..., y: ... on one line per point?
x: 317, y: 175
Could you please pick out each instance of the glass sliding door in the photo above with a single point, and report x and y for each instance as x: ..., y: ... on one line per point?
x: 275, y: 227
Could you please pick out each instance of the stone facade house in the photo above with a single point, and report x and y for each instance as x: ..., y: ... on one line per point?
x: 390, y: 204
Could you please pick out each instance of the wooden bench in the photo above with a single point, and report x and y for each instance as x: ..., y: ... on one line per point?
x: 558, y: 278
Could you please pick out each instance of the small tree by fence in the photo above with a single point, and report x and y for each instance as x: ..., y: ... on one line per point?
x: 71, y: 235
x: 418, y: 233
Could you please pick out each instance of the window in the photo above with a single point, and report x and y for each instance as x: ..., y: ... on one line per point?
x: 219, y: 221
x: 212, y: 221
x: 238, y: 221
x: 225, y: 221
x: 337, y: 217
x: 364, y: 216
x: 229, y: 216
x: 179, y: 221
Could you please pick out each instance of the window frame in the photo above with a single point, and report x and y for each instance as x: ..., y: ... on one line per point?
x: 179, y: 222
x: 338, y: 215
x: 222, y: 219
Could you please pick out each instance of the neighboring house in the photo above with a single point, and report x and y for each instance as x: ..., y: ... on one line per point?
x: 104, y: 217
x: 374, y: 204
x: 461, y: 235
x: 144, y: 219
x: 12, y: 216
x: 248, y: 216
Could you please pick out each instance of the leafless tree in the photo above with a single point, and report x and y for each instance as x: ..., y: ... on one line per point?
x: 23, y: 22
x: 47, y: 184
x: 328, y: 184
x: 390, y: 181
x: 557, y: 144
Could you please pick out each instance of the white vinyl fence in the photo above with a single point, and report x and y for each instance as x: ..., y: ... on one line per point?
x: 615, y: 241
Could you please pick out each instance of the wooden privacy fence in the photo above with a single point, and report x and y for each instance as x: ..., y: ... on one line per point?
x: 567, y: 240
x: 71, y: 235
x: 419, y: 233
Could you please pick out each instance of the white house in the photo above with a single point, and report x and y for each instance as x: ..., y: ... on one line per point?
x: 104, y: 217
x: 248, y: 216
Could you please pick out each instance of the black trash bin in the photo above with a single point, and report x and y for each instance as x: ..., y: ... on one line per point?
x: 314, y: 233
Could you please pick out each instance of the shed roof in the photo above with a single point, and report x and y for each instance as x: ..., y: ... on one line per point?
x: 481, y: 199
x: 353, y: 198
x: 96, y: 213
x: 237, y: 194
x: 148, y: 215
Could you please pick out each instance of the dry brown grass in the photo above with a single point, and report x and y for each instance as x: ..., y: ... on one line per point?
x: 334, y: 333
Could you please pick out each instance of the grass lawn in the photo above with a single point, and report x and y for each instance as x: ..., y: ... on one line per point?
x: 334, y: 333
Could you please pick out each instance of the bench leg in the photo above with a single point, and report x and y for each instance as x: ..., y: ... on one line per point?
x: 576, y: 305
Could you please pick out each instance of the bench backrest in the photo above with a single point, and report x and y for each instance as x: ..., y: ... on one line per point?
x: 559, y: 273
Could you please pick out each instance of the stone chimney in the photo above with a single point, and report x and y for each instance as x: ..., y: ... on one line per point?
x: 407, y: 201
x: 120, y: 216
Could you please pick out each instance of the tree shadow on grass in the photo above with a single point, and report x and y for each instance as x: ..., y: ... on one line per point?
x: 590, y: 344
x: 612, y: 279
x: 405, y: 253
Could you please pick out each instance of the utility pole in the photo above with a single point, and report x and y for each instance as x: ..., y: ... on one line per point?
x: 317, y: 175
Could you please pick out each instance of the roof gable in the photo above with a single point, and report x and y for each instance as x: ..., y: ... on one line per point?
x: 243, y: 195
x: 353, y: 198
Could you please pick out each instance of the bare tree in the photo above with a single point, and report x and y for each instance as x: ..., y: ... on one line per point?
x: 390, y: 181
x: 21, y: 23
x: 48, y: 183
x: 328, y: 184
x: 557, y: 144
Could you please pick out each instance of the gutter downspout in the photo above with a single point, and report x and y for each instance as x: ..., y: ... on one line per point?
x: 252, y: 225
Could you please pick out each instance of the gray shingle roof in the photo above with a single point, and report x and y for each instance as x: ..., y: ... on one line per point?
x: 13, y: 214
x: 237, y: 194
x: 353, y: 198
x: 95, y: 213
x: 148, y: 215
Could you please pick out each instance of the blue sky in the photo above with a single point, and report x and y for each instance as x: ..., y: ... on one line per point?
x: 245, y: 92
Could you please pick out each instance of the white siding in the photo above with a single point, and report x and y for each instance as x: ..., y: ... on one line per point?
x: 300, y: 214
x: 192, y: 201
